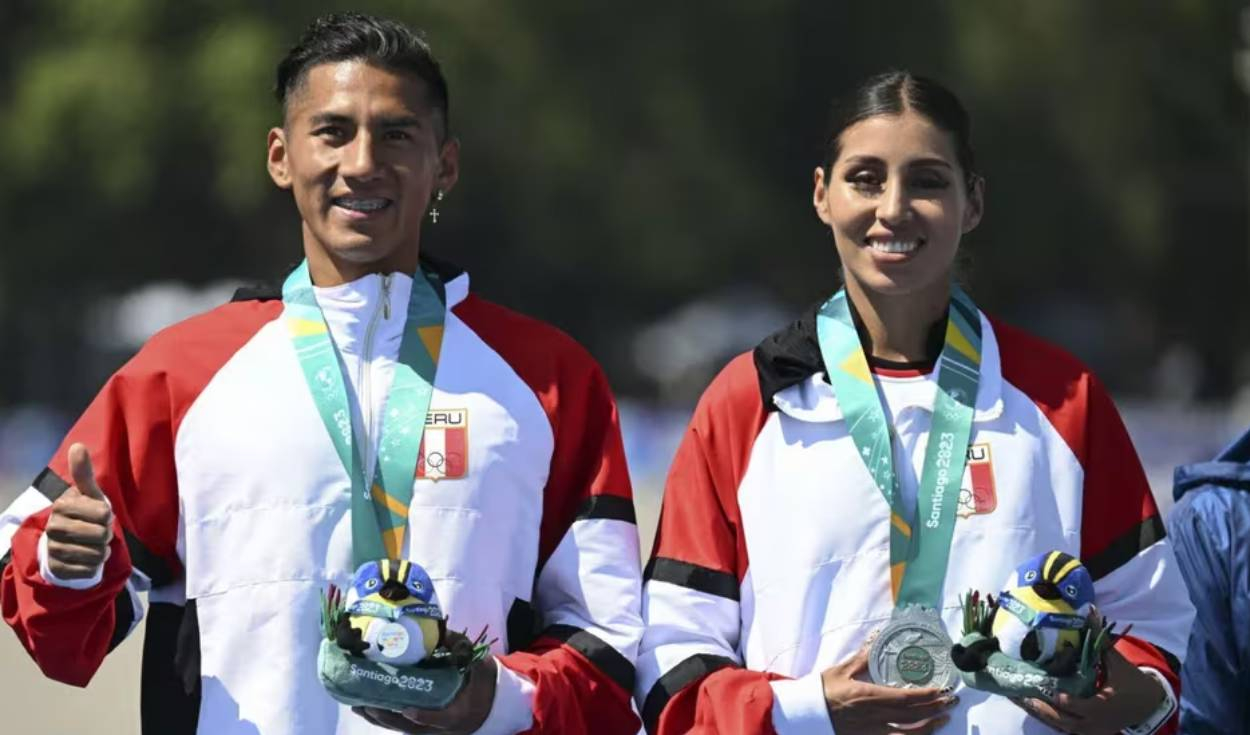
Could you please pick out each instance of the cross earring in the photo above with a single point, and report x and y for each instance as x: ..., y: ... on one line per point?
x: 438, y: 199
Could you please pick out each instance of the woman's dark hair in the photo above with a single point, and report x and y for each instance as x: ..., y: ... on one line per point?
x: 379, y: 41
x: 894, y: 92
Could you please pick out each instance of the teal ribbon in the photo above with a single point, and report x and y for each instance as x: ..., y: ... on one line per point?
x: 379, y: 509
x: 920, y: 538
x: 375, y: 609
x: 1036, y: 619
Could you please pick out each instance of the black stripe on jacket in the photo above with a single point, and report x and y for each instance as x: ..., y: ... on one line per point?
x: 608, y: 507
x: 605, y: 658
x: 679, y: 677
x: 152, y: 566
x: 692, y: 576
x: 1141, y: 536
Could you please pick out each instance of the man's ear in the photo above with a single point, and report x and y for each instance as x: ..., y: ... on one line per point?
x: 448, y: 165
x: 279, y: 170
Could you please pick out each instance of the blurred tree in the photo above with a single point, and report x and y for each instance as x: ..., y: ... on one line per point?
x: 629, y: 158
x: 1118, y: 130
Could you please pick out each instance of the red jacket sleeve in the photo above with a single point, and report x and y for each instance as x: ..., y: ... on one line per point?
x: 127, y: 430
x: 1123, y: 542
x: 732, y: 699
x: 585, y: 611
x: 691, y: 679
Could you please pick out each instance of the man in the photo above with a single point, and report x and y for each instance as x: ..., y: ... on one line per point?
x: 216, y: 471
x: 1210, y: 527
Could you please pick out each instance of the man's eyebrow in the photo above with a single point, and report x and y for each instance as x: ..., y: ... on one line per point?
x: 386, y: 122
x: 329, y: 118
x: 399, y: 121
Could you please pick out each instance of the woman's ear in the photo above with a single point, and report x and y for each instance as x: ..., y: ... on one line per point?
x: 820, y: 196
x: 976, y: 205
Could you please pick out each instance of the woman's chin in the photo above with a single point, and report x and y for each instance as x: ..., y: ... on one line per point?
x: 898, y: 282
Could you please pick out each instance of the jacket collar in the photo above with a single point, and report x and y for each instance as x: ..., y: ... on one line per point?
x: 455, y: 283
x: 792, y: 374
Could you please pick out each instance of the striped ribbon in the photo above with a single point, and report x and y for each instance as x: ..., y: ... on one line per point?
x: 920, y: 537
x: 380, y: 507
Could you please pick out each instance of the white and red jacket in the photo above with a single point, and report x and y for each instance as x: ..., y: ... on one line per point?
x: 772, y: 558
x: 232, y: 509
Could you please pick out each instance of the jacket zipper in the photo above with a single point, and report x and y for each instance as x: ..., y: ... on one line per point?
x: 366, y: 372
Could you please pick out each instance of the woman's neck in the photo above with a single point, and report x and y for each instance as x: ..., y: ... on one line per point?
x: 898, y: 326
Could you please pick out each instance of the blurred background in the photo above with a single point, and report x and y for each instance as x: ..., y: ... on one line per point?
x: 648, y: 166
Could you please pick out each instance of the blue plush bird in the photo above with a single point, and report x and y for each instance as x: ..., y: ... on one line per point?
x: 393, y: 615
x: 1041, y: 616
x: 1042, y: 613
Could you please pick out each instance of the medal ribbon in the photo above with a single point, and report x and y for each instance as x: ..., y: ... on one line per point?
x: 919, y: 543
x: 1036, y: 619
x: 380, y: 508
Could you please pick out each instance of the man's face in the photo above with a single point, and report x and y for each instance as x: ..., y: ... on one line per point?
x: 362, y: 150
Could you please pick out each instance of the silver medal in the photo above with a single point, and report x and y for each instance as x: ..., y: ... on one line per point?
x: 913, y: 650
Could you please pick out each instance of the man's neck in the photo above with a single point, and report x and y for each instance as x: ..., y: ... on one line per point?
x: 325, y: 269
x: 898, y: 326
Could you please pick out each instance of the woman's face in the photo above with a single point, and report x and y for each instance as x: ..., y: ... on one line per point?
x: 897, y: 202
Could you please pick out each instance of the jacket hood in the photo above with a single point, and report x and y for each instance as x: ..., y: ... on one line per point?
x: 789, y: 356
x: 1230, y: 469
x: 792, y: 375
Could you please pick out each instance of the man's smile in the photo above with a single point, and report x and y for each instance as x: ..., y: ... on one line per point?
x: 361, y: 206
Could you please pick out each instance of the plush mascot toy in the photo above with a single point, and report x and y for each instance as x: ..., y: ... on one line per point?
x: 1043, y: 614
x: 386, y: 643
x: 393, y: 615
x: 1036, y: 639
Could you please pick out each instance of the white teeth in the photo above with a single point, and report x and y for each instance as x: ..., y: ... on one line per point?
x: 894, y: 246
x: 361, y: 204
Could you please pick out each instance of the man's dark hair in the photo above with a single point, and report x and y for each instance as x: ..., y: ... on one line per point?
x: 894, y: 92
x: 382, y: 42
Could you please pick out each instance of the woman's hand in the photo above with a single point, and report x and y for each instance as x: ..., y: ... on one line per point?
x: 861, y: 708
x: 1126, y: 699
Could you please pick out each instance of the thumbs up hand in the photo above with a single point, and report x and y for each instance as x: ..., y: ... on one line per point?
x: 81, y: 525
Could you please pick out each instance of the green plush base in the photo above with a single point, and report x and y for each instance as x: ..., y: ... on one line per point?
x: 430, y: 684
x: 1012, y: 677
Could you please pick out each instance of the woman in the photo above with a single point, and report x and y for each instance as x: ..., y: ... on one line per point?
x: 779, y: 553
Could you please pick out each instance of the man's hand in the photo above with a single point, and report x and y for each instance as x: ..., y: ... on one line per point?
x: 871, y: 709
x: 81, y: 525
x: 465, y: 714
x: 1127, y: 698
